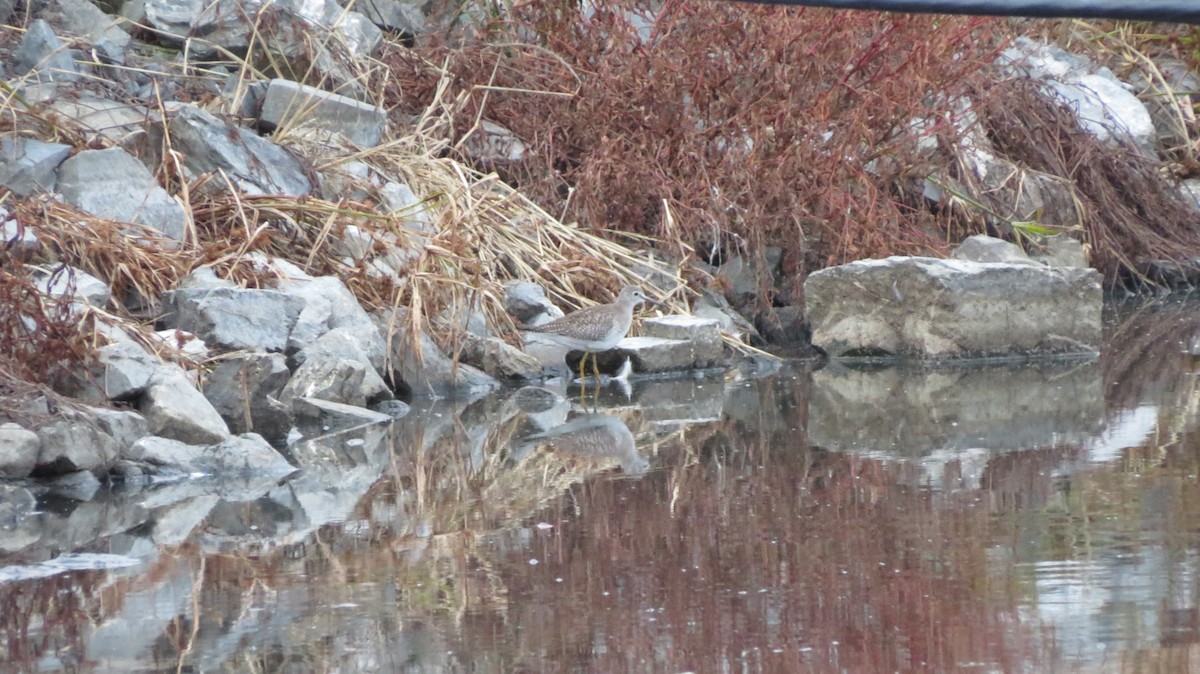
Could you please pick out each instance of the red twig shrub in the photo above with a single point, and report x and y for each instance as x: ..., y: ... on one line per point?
x: 38, y: 333
x: 757, y: 126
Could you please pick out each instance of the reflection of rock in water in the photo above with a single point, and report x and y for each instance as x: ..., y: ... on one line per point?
x: 913, y: 411
x: 595, y: 437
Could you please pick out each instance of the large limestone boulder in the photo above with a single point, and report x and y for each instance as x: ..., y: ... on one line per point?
x: 926, y: 308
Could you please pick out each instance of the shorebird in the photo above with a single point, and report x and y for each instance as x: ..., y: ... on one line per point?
x: 594, y: 329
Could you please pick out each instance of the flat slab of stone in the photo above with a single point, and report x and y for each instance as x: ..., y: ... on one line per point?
x: 332, y: 417
x: 655, y: 354
x: 927, y: 308
x: 289, y: 102
x: 694, y: 328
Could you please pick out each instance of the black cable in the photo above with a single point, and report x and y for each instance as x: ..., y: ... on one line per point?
x: 1175, y: 11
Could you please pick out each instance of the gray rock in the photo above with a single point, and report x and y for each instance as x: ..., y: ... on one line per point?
x: 340, y: 343
x: 28, y: 166
x: 421, y: 366
x: 245, y: 391
x: 230, y: 319
x: 205, y: 278
x: 351, y: 382
x: 498, y: 359
x: 41, y: 51
x: 18, y: 451
x: 983, y: 248
x: 113, y: 184
x: 176, y: 410
x: 702, y: 335
x: 391, y: 15
x: 6, y: 9
x: 165, y: 455
x: 72, y: 442
x: 254, y: 165
x: 332, y: 417
x: 324, y: 33
x: 785, y: 326
x: 528, y: 305
x: 654, y: 354
x: 83, y: 18
x: 688, y: 328
x: 244, y: 96
x: 223, y: 23
x: 75, y: 283
x: 712, y: 304
x: 125, y: 426
x: 741, y: 277
x: 329, y: 305
x: 290, y: 103
x: 927, y: 308
x: 121, y: 371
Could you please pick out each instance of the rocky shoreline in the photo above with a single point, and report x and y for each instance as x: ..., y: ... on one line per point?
x: 212, y: 352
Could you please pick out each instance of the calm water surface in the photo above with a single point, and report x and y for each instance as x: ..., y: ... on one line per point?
x: 1036, y: 518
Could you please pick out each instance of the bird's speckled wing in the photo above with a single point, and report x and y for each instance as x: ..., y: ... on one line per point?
x: 585, y: 325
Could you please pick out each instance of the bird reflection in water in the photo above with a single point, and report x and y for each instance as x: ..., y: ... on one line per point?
x: 593, y: 437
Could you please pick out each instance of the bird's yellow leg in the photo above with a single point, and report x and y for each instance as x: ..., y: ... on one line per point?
x: 596, y: 368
